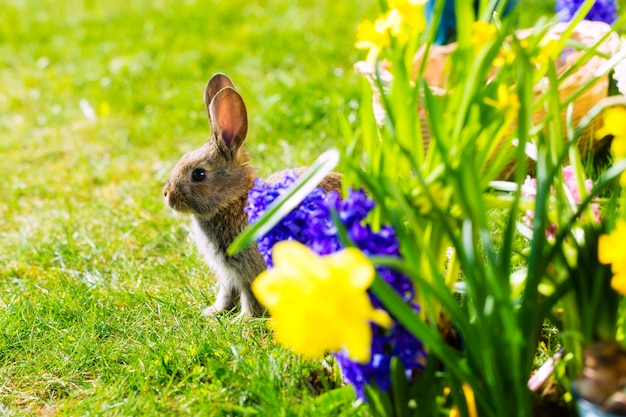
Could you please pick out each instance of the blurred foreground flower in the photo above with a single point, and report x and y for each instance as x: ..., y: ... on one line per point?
x: 404, y: 19
x: 612, y: 250
x: 505, y: 102
x: 320, y: 304
x: 311, y: 223
x: 482, y: 33
x: 601, y: 11
x: 412, y: 12
x: 372, y: 36
x: 614, y: 125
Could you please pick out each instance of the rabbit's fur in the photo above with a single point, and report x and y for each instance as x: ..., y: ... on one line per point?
x: 211, y: 184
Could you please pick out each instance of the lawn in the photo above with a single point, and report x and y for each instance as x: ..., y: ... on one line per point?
x: 100, y: 285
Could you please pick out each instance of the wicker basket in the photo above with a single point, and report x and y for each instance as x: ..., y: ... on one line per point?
x: 586, y: 32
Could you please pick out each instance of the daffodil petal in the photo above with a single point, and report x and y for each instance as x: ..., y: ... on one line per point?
x: 361, y: 269
x: 610, y: 247
x: 320, y: 303
x: 382, y: 318
x: 618, y: 283
x: 289, y: 252
x: 358, y: 341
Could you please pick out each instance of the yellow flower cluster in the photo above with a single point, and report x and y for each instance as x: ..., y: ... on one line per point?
x: 548, y: 50
x: 404, y: 19
x: 614, y: 125
x: 320, y: 304
x: 506, y: 102
x: 612, y: 250
x: 482, y: 32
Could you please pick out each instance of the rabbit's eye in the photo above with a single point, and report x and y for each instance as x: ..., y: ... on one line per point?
x: 198, y: 174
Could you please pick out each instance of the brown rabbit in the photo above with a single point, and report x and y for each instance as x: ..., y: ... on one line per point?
x: 211, y: 184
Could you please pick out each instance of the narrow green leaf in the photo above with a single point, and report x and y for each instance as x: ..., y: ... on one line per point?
x: 399, y: 388
x: 379, y: 401
x: 430, y: 337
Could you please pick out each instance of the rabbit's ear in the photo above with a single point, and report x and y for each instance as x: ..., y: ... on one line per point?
x: 229, y: 119
x: 216, y: 83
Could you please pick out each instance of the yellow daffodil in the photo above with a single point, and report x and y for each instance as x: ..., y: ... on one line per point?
x: 374, y: 36
x: 320, y: 303
x: 612, y: 250
x: 412, y: 13
x: 506, y: 101
x: 368, y: 36
x: 548, y: 49
x: 404, y: 19
x: 614, y: 125
x: 392, y: 22
x: 482, y: 32
x: 505, y: 57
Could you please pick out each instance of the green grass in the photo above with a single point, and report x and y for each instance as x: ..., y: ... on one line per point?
x: 100, y: 286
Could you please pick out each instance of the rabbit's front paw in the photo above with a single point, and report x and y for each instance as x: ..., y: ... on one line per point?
x: 223, y: 302
x: 216, y: 308
x: 210, y: 311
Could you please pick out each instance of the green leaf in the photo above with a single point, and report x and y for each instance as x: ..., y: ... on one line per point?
x: 379, y: 401
x: 334, y: 399
x: 399, y: 388
x: 429, y: 336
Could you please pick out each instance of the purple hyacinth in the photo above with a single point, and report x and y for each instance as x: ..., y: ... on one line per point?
x: 386, y: 344
x: 311, y: 223
x: 601, y: 11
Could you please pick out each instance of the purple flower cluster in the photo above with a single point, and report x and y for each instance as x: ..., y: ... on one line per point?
x: 601, y: 11
x: 311, y: 223
x: 386, y: 344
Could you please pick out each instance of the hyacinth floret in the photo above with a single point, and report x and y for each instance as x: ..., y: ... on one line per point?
x: 601, y: 11
x: 311, y: 223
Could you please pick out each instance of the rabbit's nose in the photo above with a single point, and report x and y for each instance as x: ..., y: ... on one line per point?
x: 165, y: 191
